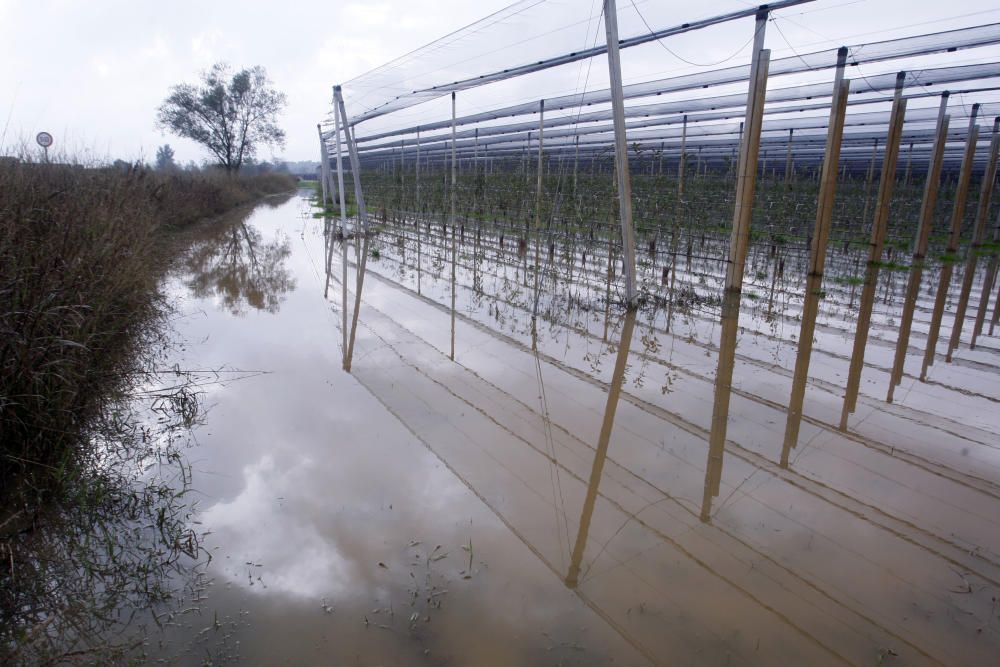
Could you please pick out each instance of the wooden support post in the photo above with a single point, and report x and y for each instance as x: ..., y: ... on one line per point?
x: 957, y: 216
x: 747, y: 165
x: 869, y: 180
x: 540, y: 170
x: 339, y: 125
x: 933, y: 183
x: 788, y: 158
x: 909, y: 164
x: 746, y: 180
x: 621, y: 153
x: 817, y: 254
x: 978, y: 236
x: 454, y: 167
x: 576, y: 160
x: 926, y: 220
x: 324, y: 165
x: 682, y: 167
x: 418, y: 215
x: 879, y: 228
x: 453, y: 222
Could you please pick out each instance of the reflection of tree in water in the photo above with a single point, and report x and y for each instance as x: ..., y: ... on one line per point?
x: 235, y: 263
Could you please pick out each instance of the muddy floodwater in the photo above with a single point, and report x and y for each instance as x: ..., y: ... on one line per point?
x: 515, y: 471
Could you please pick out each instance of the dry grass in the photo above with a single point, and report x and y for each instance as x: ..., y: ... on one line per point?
x: 81, y: 254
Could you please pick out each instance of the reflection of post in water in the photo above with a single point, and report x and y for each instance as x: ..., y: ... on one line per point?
x: 957, y: 214
x: 604, y: 439
x: 326, y: 179
x: 343, y: 292
x: 988, y: 282
x: 328, y: 253
x: 996, y: 312
x: 817, y: 255
x: 978, y: 235
x: 453, y: 223
x: 931, y: 187
x: 607, y: 290
x: 453, y: 292
x: 361, y: 251
x: 879, y: 227
x: 746, y: 183
x: 722, y: 393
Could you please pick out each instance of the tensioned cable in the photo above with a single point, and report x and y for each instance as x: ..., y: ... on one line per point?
x: 951, y: 40
x: 671, y: 52
x: 427, y: 93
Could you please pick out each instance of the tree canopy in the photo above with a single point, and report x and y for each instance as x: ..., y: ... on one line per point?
x: 165, y: 158
x: 231, y: 114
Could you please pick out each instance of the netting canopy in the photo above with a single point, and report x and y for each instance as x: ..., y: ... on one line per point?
x: 538, y: 68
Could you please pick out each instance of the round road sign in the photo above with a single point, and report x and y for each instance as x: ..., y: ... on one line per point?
x: 44, y: 139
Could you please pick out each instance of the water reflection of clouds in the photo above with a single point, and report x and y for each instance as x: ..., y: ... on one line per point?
x: 258, y: 527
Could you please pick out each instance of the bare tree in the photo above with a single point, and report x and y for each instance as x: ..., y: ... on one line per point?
x: 230, y: 114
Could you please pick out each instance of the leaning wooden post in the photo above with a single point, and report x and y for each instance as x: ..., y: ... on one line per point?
x: 338, y: 124
x: 978, y: 235
x: 909, y: 163
x: 880, y: 225
x: 957, y: 215
x: 926, y: 220
x: 324, y: 174
x: 352, y: 152
x: 418, y: 215
x: 416, y: 173
x: 788, y: 158
x: 747, y: 166
x: 682, y: 166
x: 817, y: 254
x: 871, y: 168
x: 540, y: 170
x: 621, y: 153
x: 869, y: 180
x: 576, y: 160
x: 324, y: 164
x: 328, y: 226
x: 746, y: 180
x: 454, y: 165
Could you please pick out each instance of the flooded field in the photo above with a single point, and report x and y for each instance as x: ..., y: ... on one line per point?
x: 450, y: 444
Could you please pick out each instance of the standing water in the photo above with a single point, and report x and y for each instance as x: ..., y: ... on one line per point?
x: 516, y: 471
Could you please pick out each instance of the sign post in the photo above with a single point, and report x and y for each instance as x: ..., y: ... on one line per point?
x: 44, y: 140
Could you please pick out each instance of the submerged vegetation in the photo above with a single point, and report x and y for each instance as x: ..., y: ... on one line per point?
x: 91, y: 475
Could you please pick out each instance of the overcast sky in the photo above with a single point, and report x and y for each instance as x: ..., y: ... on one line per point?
x: 93, y: 73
